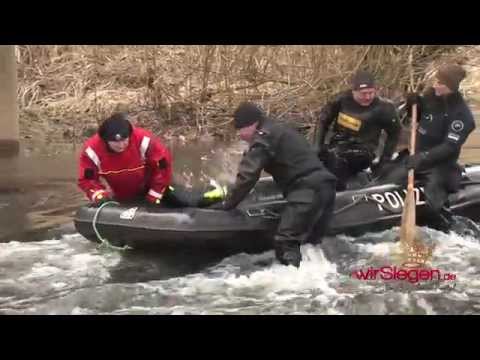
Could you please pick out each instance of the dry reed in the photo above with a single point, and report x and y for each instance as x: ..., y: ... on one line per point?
x: 192, y: 90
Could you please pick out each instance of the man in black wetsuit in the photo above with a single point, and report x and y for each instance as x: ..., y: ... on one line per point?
x: 307, y: 185
x: 356, y: 119
x: 445, y: 122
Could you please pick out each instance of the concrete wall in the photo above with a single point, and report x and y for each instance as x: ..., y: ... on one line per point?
x: 9, y: 128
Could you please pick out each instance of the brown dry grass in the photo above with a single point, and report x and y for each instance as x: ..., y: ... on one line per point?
x: 192, y: 90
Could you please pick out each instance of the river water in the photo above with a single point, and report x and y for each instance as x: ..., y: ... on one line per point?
x: 48, y: 268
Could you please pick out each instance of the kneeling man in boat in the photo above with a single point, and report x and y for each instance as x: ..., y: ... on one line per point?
x: 349, y: 129
x: 136, y: 166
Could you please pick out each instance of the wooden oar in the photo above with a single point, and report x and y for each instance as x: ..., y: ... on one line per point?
x: 408, y: 224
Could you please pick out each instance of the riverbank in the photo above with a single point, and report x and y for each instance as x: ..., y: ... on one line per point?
x: 189, y: 92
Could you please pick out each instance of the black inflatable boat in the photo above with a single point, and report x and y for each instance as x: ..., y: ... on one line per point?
x: 250, y: 227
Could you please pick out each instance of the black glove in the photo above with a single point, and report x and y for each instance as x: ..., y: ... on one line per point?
x: 411, y: 99
x: 414, y: 161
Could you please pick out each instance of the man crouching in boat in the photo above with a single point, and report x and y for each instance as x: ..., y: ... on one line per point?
x: 135, y: 164
x: 307, y: 185
x: 356, y: 119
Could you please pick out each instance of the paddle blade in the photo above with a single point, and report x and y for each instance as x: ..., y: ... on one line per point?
x: 408, y: 228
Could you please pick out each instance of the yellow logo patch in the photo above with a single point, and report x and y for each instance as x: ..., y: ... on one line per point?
x: 349, y: 122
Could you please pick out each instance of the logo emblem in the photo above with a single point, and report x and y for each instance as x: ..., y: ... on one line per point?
x: 429, y: 117
x: 457, y: 125
x: 454, y: 137
x: 128, y: 214
x: 349, y: 122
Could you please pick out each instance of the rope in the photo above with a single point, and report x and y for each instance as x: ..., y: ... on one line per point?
x: 104, y: 243
x: 269, y: 214
x: 366, y: 197
x: 348, y: 206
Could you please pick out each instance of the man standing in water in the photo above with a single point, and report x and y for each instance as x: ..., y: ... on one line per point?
x: 306, y: 184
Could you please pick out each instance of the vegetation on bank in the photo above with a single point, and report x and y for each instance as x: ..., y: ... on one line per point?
x: 191, y: 91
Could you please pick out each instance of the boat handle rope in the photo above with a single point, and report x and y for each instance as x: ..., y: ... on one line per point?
x: 265, y: 213
x: 269, y: 214
x: 366, y: 198
x: 348, y: 206
x: 104, y: 243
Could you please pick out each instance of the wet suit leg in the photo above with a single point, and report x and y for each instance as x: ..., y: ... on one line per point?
x: 440, y: 182
x: 345, y: 163
x: 339, y: 167
x: 324, y: 209
x: 305, y: 217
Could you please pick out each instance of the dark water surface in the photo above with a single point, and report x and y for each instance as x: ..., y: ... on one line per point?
x: 48, y: 268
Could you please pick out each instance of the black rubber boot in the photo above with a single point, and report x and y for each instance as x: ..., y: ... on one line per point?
x: 442, y: 220
x: 288, y: 253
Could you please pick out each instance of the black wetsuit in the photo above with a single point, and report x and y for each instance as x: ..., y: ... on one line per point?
x: 444, y: 125
x: 356, y: 134
x: 307, y: 185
